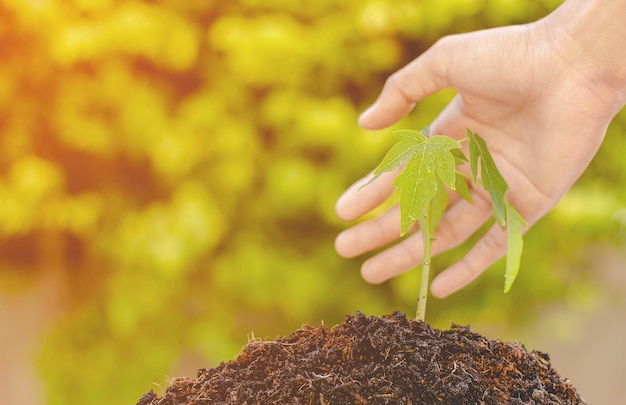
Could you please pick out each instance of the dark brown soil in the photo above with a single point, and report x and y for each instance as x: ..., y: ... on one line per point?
x: 376, y: 360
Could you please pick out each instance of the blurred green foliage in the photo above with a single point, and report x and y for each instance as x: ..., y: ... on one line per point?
x: 177, y: 164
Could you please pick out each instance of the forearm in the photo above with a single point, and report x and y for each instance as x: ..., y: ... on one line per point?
x: 591, y: 36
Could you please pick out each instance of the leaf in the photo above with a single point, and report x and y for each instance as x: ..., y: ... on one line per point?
x: 491, y: 178
x: 438, y: 207
x: 418, y: 185
x: 401, y: 151
x: 430, y: 160
x: 462, y: 188
x: 445, y: 163
x: 515, y: 244
x: 459, y: 156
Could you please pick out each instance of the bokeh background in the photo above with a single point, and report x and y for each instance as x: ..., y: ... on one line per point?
x: 168, y: 173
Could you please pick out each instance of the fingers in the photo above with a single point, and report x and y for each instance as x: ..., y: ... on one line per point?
x: 377, y: 232
x: 369, y: 235
x: 460, y: 221
x: 395, y: 260
x: 420, y: 78
x: 490, y: 248
x: 362, y: 197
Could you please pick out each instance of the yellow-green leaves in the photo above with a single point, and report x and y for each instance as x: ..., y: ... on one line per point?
x: 503, y: 211
x: 429, y: 163
x: 515, y: 244
x: 492, y: 181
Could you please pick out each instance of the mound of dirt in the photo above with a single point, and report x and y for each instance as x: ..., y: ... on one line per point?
x: 376, y: 360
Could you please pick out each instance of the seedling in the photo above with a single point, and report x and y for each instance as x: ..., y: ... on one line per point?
x: 431, y: 166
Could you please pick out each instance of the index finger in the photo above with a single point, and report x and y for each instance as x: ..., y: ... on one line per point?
x: 417, y: 80
x: 362, y: 197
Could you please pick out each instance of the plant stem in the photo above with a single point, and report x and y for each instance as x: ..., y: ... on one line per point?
x: 425, y: 226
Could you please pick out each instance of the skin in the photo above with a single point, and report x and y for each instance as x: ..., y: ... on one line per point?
x: 542, y: 96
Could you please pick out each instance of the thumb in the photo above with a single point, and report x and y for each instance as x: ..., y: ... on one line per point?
x: 420, y: 78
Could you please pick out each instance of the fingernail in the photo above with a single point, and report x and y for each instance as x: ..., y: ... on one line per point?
x: 436, y: 288
x: 364, y: 116
x: 339, y: 239
x: 339, y: 208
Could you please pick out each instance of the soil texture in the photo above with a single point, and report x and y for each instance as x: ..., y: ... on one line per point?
x: 376, y: 360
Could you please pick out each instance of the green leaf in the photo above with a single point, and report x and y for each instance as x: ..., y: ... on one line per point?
x: 459, y: 156
x: 462, y: 188
x: 491, y: 178
x: 438, y: 207
x: 515, y: 244
x: 418, y: 185
x: 430, y: 160
x: 445, y: 163
x: 401, y: 151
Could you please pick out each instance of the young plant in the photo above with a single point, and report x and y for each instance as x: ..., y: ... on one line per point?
x: 430, y: 166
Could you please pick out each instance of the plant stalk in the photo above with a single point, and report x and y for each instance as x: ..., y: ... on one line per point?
x: 425, y: 226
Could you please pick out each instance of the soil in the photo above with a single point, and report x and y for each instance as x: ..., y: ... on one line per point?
x: 376, y: 360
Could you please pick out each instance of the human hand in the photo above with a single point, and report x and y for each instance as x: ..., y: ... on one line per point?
x: 542, y: 112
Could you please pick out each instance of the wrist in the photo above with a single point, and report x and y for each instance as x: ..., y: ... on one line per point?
x: 590, y: 37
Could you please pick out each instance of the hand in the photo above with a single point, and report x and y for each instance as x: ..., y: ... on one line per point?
x: 542, y: 111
